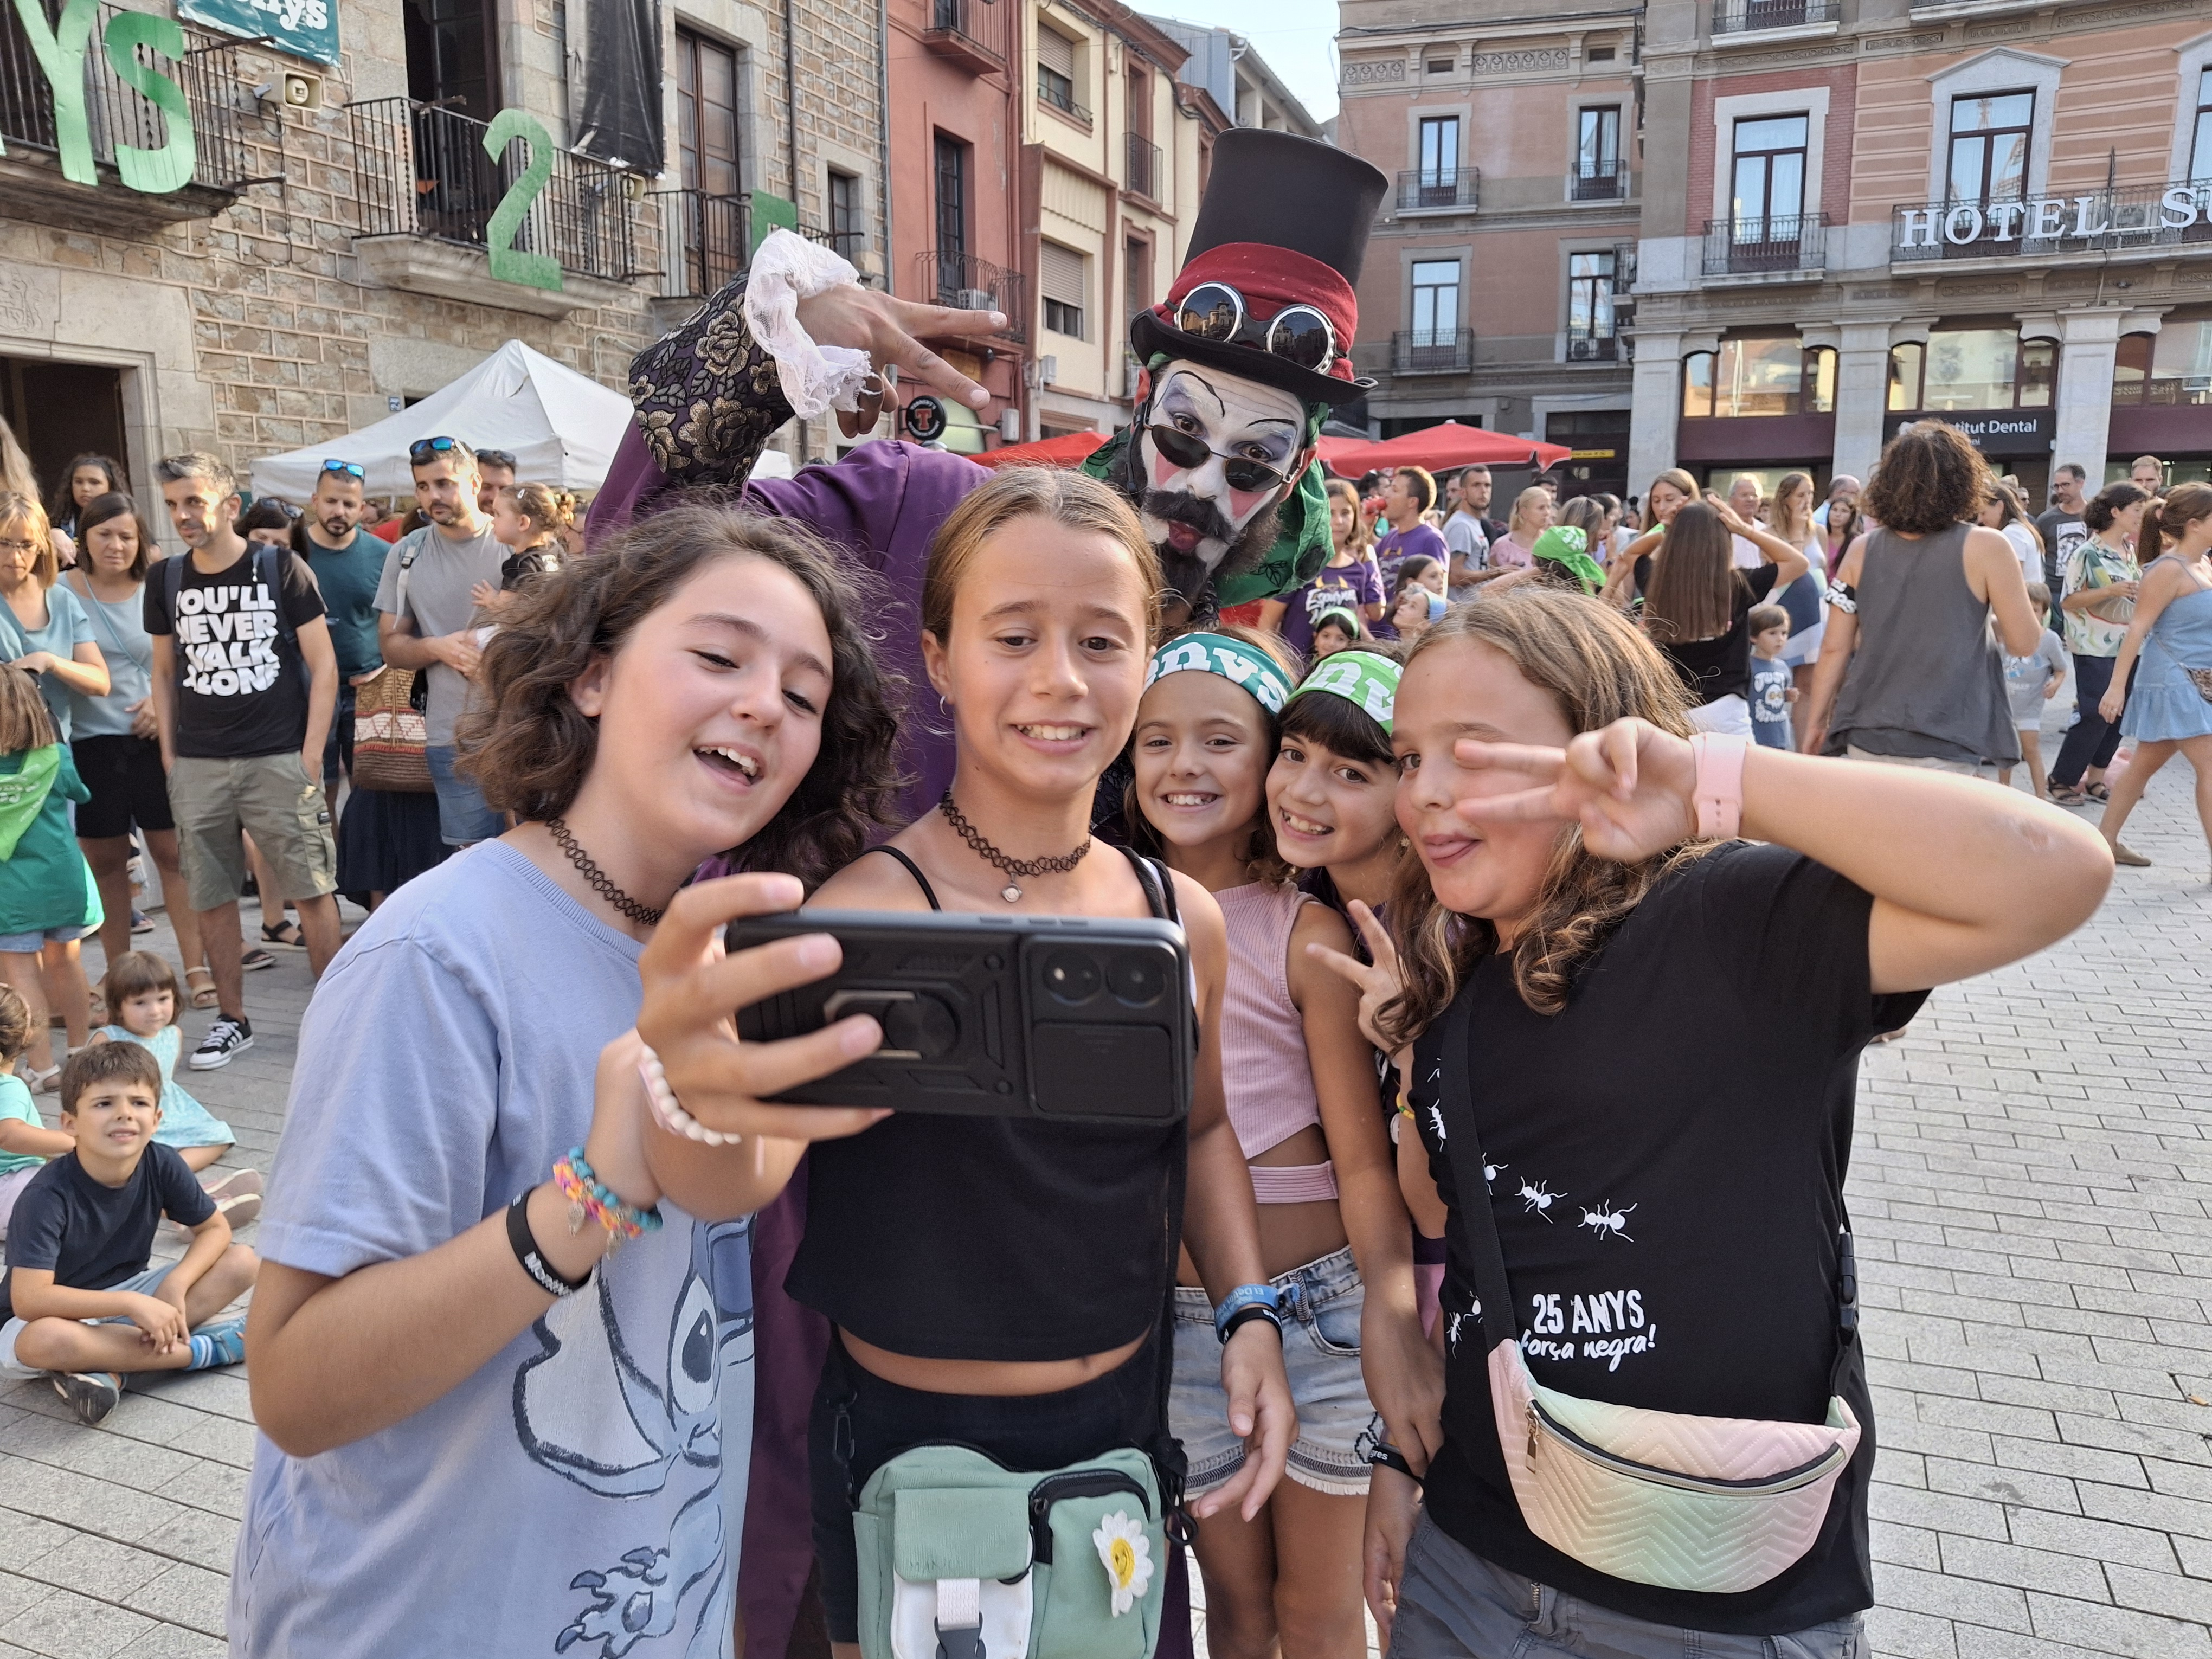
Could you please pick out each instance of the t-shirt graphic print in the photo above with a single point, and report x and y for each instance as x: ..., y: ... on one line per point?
x: 240, y: 690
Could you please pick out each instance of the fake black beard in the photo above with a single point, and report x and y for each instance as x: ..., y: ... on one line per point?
x: 1189, y: 573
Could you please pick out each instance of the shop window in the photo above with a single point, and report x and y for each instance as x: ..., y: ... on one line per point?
x: 1905, y: 363
x: 2170, y: 369
x: 1759, y: 377
x: 1963, y: 368
x: 1819, y: 394
x: 1698, y: 383
x: 2037, y: 386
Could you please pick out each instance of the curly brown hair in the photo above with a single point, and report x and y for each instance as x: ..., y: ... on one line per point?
x: 1598, y: 667
x: 1929, y: 478
x: 528, y: 747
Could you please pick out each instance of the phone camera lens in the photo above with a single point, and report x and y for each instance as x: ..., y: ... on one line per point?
x: 1137, y: 979
x: 1072, y: 977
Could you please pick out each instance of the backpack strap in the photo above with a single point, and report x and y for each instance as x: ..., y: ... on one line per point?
x: 268, y: 571
x: 1478, y: 1220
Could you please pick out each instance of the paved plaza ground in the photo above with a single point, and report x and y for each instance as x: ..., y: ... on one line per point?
x: 2032, y: 1191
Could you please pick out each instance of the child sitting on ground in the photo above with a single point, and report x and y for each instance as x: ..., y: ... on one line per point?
x: 26, y: 1143
x: 1772, y: 692
x: 2031, y: 682
x: 140, y: 992
x: 80, y: 1304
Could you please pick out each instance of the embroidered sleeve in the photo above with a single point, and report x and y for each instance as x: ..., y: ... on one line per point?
x: 708, y: 396
x: 1844, y: 598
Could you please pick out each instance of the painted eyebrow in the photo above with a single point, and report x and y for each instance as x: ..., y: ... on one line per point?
x: 752, y: 631
x: 1190, y: 375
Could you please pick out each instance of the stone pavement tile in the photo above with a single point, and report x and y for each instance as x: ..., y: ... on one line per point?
x: 218, y: 1488
x: 2135, y: 1546
x: 2162, y: 1593
x: 94, y: 1566
x: 1893, y: 1632
x: 1976, y: 1642
x: 1967, y: 1600
x: 2187, y: 1516
x: 1896, y: 1544
x: 2151, y: 1439
x: 1944, y: 1512
x: 25, y: 1538
x: 1997, y: 1483
x: 2118, y: 1629
x: 2008, y: 1564
x: 2181, y: 1479
x: 186, y: 1594
x: 195, y: 1536
x: 18, y: 1594
x: 175, y: 1642
x: 77, y: 1500
x: 63, y: 1625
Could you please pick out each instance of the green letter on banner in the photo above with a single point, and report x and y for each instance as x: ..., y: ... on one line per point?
x: 156, y: 171
x: 508, y: 263
x: 769, y: 212
x: 60, y: 52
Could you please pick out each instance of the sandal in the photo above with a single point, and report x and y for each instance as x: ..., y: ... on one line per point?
x: 2096, y: 792
x: 253, y: 959
x: 284, y: 935
x: 2066, y: 794
x: 203, y: 996
x: 38, y: 1082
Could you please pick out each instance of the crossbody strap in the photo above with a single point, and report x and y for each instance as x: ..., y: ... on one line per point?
x: 1464, y: 1147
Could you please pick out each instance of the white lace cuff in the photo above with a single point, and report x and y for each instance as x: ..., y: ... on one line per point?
x: 785, y: 268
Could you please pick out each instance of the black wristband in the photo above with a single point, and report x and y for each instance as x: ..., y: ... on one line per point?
x: 542, y: 1273
x: 1246, y: 1314
x: 1390, y: 1458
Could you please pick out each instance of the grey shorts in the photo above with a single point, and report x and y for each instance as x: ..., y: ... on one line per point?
x: 1452, y: 1604
x: 1337, y: 1427
x: 272, y: 799
x: 144, y: 1283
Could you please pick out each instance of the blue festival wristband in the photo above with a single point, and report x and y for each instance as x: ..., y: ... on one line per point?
x: 1247, y: 1301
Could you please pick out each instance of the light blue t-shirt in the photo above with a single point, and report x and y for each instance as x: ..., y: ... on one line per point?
x: 66, y: 628
x: 15, y: 1102
x: 447, y: 1060
x: 119, y: 631
x: 1770, y: 702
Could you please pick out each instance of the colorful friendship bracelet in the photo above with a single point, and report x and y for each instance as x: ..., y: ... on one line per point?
x: 588, y: 1196
x: 672, y: 1116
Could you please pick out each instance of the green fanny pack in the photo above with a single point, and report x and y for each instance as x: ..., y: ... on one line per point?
x: 961, y: 1558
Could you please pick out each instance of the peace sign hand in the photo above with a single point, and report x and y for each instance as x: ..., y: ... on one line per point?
x: 1628, y: 786
x: 1379, y: 980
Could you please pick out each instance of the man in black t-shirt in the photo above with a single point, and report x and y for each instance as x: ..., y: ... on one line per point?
x: 245, y: 684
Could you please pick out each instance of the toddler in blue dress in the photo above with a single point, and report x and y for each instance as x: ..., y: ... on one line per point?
x: 139, y: 991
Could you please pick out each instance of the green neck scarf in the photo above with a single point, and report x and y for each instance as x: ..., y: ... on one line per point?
x: 1302, y: 539
x: 23, y: 794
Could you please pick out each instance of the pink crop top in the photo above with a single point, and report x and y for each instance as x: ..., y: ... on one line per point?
x: 1265, y: 1070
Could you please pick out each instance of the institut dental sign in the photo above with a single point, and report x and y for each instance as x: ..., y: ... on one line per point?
x: 2046, y: 223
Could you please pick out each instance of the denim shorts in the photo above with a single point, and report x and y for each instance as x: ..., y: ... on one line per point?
x: 144, y: 1283
x: 464, y: 817
x: 1337, y: 1427
x: 1452, y: 1604
x: 29, y: 944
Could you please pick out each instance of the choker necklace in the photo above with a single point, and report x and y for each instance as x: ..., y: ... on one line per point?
x: 1015, y: 870
x: 599, y: 881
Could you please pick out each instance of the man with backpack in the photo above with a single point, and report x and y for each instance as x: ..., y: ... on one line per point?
x: 245, y: 684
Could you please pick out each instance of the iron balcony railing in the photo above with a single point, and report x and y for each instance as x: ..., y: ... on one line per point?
x: 705, y: 240
x: 1593, y: 347
x: 2118, y: 221
x: 1437, y: 187
x: 208, y: 74
x: 1142, y: 175
x: 1742, y: 16
x: 1603, y: 179
x: 975, y: 28
x: 421, y: 171
x: 1432, y: 351
x: 1775, y: 243
x: 2163, y: 391
x: 1052, y: 90
x: 968, y: 284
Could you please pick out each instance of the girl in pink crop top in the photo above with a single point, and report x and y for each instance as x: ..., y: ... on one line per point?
x: 1301, y: 1096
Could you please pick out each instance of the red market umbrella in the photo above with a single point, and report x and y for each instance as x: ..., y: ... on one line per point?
x: 1071, y: 449
x: 1438, y: 448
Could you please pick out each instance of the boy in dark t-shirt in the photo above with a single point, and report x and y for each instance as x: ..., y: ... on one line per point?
x: 80, y: 1303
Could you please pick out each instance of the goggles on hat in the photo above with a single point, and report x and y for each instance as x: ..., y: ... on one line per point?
x: 1299, y: 334
x: 1188, y: 451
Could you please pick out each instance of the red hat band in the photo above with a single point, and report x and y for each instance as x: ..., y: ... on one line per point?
x: 1273, y: 279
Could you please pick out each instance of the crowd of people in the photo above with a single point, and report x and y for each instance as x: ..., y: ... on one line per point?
x: 1371, y: 1315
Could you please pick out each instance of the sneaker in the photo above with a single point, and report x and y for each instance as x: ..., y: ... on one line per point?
x: 225, y: 1041
x: 2124, y: 854
x: 253, y: 959
x: 221, y: 1343
x: 141, y: 922
x: 239, y: 1208
x: 231, y: 1183
x: 91, y: 1394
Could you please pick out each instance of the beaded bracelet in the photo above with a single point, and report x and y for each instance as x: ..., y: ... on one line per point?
x: 588, y: 1196
x: 674, y: 1118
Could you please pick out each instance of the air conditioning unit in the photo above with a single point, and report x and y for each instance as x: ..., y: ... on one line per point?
x: 973, y: 299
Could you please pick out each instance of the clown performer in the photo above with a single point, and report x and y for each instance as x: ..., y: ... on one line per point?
x: 1244, y: 359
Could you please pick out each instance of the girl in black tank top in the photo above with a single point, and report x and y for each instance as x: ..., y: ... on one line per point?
x: 997, y: 1281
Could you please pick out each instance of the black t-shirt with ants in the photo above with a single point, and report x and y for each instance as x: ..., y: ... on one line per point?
x: 1666, y: 1161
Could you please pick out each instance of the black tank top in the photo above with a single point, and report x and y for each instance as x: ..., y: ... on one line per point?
x: 994, y: 1238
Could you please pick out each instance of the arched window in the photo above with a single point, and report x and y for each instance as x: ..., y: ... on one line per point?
x: 1906, y: 363
x: 1970, y: 368
x: 1698, y: 383
x: 1772, y: 375
x: 1820, y: 393
x: 2131, y: 369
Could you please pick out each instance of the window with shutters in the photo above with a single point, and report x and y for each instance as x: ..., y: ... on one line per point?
x: 1137, y: 258
x: 1061, y: 279
x: 1056, y: 78
x: 706, y: 114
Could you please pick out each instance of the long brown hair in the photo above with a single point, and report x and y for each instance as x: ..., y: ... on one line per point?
x: 25, y: 722
x: 1363, y: 532
x: 1068, y: 499
x: 1597, y: 668
x: 1693, y: 590
x: 2183, y: 506
x: 1799, y: 531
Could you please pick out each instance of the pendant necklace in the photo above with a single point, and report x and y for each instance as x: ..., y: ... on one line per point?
x: 598, y: 879
x: 1016, y: 871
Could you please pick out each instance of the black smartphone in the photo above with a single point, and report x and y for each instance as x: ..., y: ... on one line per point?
x: 1066, y: 1019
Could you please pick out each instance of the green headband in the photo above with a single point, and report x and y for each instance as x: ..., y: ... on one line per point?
x: 1231, y: 659
x: 1365, y: 679
x: 1565, y: 545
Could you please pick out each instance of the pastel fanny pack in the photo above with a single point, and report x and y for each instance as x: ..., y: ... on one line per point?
x: 1713, y: 1504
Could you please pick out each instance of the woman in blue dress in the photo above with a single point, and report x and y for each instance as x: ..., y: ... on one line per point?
x: 2170, y: 711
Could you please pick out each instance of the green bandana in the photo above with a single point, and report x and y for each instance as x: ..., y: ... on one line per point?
x: 23, y: 794
x: 1364, y: 679
x: 1563, y: 544
x: 1231, y: 659
x: 1302, y: 539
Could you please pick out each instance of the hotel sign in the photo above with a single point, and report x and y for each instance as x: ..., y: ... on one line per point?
x: 2144, y: 215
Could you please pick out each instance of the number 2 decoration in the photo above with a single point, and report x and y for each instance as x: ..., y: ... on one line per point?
x: 508, y: 263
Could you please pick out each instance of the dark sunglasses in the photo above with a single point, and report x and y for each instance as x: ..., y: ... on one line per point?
x: 495, y: 458
x: 424, y: 449
x: 1187, y: 452
x: 1215, y: 312
x: 352, y: 468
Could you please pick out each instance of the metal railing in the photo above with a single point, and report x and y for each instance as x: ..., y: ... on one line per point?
x: 1060, y: 98
x: 421, y: 171
x: 705, y: 240
x: 208, y: 74
x: 1142, y: 175
x: 2163, y: 391
x: 1593, y: 347
x: 978, y: 26
x: 962, y: 280
x: 1437, y: 187
x: 1773, y: 244
x: 1603, y: 179
x: 2125, y: 220
x: 1432, y: 351
x: 1742, y: 16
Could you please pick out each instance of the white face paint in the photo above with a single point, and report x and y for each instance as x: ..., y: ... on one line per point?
x: 1234, y: 418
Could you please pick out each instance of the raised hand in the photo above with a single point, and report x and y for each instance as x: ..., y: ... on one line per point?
x: 890, y: 329
x: 1378, y: 978
x: 1628, y: 786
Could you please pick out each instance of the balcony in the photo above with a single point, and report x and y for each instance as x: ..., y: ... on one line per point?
x: 1601, y: 178
x: 1054, y: 89
x: 2138, y: 219
x: 1749, y: 16
x: 1776, y: 245
x: 967, y: 283
x: 1142, y: 175
x: 427, y: 192
x: 1593, y: 347
x: 32, y: 184
x: 1432, y: 351
x: 1438, y: 189
x: 705, y: 240
x: 972, y: 33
